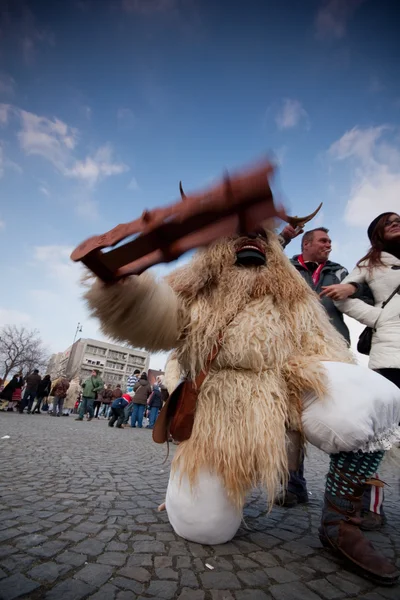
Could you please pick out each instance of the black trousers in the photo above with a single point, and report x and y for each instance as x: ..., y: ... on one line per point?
x: 116, y: 413
x: 39, y: 400
x: 392, y: 374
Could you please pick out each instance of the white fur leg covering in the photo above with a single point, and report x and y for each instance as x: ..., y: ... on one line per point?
x: 202, y: 514
x: 137, y: 309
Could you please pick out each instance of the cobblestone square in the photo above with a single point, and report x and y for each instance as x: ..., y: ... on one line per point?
x: 78, y: 506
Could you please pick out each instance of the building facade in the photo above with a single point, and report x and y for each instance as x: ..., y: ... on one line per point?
x: 114, y: 362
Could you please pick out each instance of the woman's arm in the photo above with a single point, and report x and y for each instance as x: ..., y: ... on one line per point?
x: 356, y: 308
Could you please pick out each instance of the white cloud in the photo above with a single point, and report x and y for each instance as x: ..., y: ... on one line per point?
x: 93, y: 169
x: 55, y: 141
x: 6, y: 163
x: 87, y: 111
x: 7, y: 85
x: 333, y: 16
x: 126, y: 116
x: 375, y: 168
x: 50, y: 138
x: 87, y: 208
x: 32, y: 39
x: 4, y: 112
x: 13, y: 317
x: 357, y: 143
x: 57, y: 306
x: 290, y: 114
x: 133, y: 185
x: 44, y: 190
x: 375, y: 85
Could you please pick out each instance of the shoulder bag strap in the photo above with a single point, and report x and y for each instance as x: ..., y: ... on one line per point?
x: 385, y: 303
x: 391, y: 296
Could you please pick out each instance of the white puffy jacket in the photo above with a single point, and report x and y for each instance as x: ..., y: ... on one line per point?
x: 385, y: 351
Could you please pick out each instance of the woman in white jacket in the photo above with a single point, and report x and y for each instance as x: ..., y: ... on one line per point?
x: 380, y: 269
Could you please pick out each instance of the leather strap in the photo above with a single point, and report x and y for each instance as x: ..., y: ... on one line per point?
x: 198, y: 382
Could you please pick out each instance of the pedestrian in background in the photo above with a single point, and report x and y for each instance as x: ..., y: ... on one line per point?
x: 43, y: 391
x: 117, y: 411
x: 13, y: 391
x: 154, y: 403
x: 72, y: 396
x: 106, y: 395
x: 142, y: 389
x: 132, y: 379
x: 91, y: 387
x: 59, y: 392
x: 32, y: 384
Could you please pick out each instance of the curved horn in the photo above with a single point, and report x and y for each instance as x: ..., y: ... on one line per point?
x: 301, y: 221
x: 183, y: 195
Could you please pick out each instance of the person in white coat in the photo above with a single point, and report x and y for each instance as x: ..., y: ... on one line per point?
x: 380, y: 269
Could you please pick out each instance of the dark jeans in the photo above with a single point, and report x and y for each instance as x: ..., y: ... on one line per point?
x: 58, y: 403
x: 28, y: 398
x: 39, y: 401
x: 86, y: 406
x: 96, y: 407
x: 297, y: 483
x: 127, y: 412
x: 153, y: 416
x: 392, y: 374
x: 137, y: 415
x: 116, y: 413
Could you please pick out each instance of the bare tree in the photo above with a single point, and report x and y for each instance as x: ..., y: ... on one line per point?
x: 21, y: 350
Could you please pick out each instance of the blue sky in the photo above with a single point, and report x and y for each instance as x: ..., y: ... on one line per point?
x: 105, y: 106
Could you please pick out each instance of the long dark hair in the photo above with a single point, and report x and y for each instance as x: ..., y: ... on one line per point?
x: 373, y: 258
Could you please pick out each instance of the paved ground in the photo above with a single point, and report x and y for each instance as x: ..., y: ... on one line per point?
x: 78, y: 520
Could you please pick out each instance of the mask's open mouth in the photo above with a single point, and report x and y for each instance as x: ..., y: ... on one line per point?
x: 250, y: 254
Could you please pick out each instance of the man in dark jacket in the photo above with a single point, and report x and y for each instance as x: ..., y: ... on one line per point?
x: 117, y: 410
x: 142, y: 389
x: 32, y: 384
x: 42, y: 392
x: 154, y: 403
x: 318, y: 271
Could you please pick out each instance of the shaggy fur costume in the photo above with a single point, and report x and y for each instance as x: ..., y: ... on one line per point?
x: 275, y: 335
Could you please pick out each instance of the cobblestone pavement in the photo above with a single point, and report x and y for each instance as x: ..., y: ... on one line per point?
x: 78, y: 520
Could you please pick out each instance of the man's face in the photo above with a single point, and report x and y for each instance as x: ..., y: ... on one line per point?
x: 319, y: 248
x: 94, y: 373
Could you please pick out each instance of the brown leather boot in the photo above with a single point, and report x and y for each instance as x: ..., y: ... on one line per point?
x: 371, y: 521
x: 340, y: 531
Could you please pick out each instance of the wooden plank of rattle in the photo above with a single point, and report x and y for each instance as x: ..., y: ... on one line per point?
x: 162, y: 235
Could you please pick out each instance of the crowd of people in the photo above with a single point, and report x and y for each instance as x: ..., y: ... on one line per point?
x: 139, y: 400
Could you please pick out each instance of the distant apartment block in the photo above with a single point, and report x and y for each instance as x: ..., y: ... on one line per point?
x: 114, y: 362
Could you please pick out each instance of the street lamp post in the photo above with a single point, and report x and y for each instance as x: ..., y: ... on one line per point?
x: 78, y: 330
